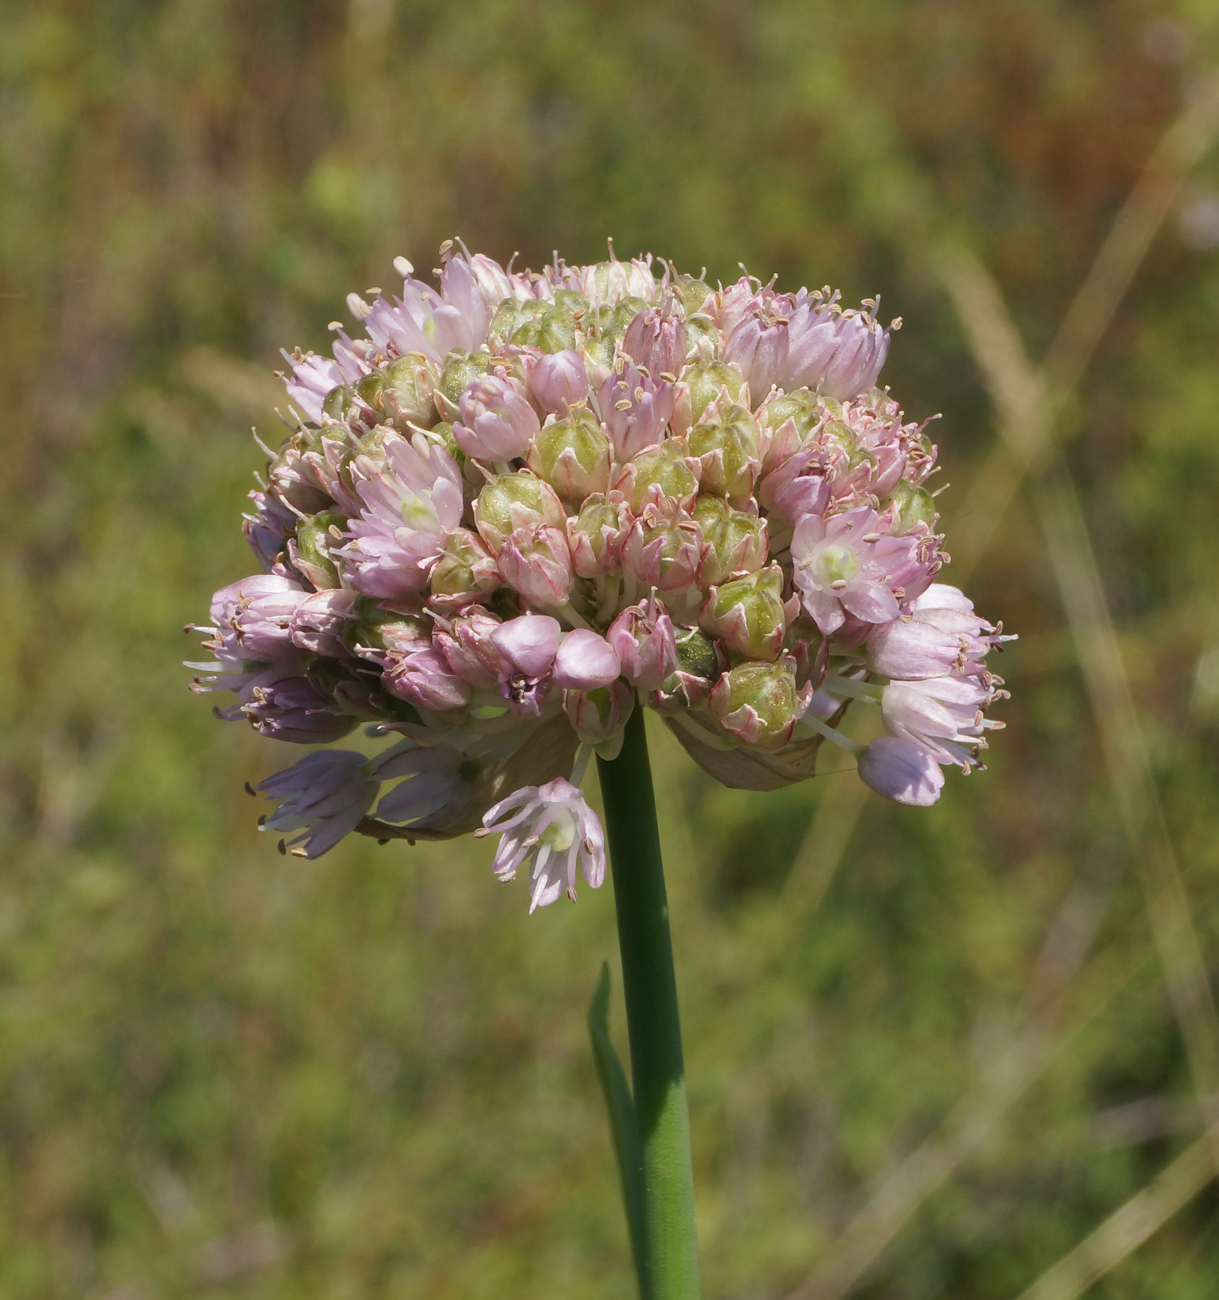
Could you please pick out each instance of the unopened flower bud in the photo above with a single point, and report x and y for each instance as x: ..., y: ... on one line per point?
x: 748, y: 614
x: 536, y: 561
x: 759, y: 703
x: 726, y: 446
x: 642, y: 636
x: 698, y: 669
x: 465, y: 572
x: 701, y: 385
x: 406, y: 393
x: 596, y: 536
x: 786, y: 422
x: 553, y: 330
x: 558, y: 382
x: 598, y: 716
x: 909, y: 507
x: 314, y: 540
x: 340, y: 405
x: 371, y: 630
x: 663, y: 473
x: 691, y: 292
x: 572, y: 455
x: 461, y: 369
x: 512, y: 501
x: 734, y: 543
x: 902, y: 771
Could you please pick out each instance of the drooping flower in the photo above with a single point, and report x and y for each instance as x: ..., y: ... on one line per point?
x: 324, y: 795
x: 552, y: 831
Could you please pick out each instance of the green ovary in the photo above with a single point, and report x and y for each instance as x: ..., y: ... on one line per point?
x: 837, y: 564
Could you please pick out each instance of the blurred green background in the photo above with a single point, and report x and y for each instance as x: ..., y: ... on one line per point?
x: 227, y: 1073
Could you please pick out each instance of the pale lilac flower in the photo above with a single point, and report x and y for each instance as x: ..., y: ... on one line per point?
x: 758, y: 347
x: 420, y: 674
x: 319, y: 620
x: 585, y: 661
x: 324, y: 796
x: 286, y: 706
x: 941, y: 714
x: 434, y: 781
x: 642, y: 636
x: 529, y: 645
x: 411, y: 503
x: 497, y: 420
x: 558, y: 381
x: 253, y: 617
x: 799, y: 486
x: 941, y: 634
x: 901, y: 770
x: 838, y: 352
x: 656, y: 340
x: 269, y: 527
x: 843, y: 566
x: 537, y: 563
x: 467, y: 646
x: 635, y: 410
x: 552, y: 831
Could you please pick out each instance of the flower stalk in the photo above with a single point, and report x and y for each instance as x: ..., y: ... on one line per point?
x: 669, y: 1268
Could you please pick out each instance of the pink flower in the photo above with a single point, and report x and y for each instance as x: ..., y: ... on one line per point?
x: 656, y: 340
x: 943, y: 715
x: 635, y: 410
x: 497, y: 420
x: 318, y: 622
x: 558, y: 381
x: 642, y: 636
x: 411, y: 504
x: 585, y: 661
x: 843, y: 566
x: 839, y: 352
x: 529, y: 645
x: 758, y: 348
x: 419, y: 673
x: 940, y: 635
x: 553, y: 831
x: 902, y: 771
x: 253, y: 617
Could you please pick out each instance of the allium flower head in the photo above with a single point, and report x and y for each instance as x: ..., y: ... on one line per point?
x: 513, y: 507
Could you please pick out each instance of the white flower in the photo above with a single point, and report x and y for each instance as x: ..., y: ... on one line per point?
x: 552, y: 827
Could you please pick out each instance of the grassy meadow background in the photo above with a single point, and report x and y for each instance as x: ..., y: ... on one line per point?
x: 224, y: 1073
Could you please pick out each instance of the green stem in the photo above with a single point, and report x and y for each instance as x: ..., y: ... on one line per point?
x: 650, y: 987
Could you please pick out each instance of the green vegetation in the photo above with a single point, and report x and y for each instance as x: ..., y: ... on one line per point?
x: 228, y: 1073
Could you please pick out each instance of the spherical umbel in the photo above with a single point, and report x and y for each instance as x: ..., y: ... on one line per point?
x: 514, y: 507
